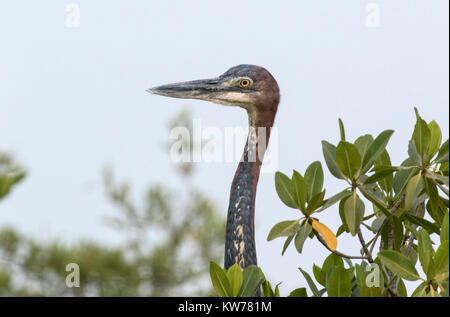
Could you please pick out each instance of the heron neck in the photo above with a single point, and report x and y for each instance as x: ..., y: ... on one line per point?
x: 240, y: 232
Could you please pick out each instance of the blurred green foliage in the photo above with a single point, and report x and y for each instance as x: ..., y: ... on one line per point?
x: 10, y: 174
x: 168, y: 241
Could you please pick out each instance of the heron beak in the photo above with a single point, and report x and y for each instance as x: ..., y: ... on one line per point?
x: 196, y: 89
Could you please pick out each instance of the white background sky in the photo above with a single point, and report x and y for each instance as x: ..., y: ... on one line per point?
x: 73, y: 100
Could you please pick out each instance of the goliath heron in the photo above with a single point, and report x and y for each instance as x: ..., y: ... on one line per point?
x: 254, y: 89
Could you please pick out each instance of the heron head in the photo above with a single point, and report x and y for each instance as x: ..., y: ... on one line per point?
x: 248, y: 86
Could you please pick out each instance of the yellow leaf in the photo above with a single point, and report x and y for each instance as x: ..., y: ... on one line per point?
x: 327, y: 235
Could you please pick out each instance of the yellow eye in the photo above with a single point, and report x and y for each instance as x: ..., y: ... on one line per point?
x: 244, y: 83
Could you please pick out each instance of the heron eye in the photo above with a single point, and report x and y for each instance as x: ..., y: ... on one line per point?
x: 244, y: 83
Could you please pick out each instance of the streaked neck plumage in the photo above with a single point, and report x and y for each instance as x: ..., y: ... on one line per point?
x: 240, y: 243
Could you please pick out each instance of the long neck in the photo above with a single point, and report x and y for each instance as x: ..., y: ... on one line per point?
x: 240, y: 232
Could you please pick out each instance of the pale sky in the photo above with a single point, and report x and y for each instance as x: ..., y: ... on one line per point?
x: 73, y: 100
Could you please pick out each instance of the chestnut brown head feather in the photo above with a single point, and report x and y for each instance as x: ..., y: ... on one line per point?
x: 260, y: 95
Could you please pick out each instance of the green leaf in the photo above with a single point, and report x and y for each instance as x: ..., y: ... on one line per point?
x: 341, y: 129
x: 314, y: 179
x: 251, y: 281
x: 374, y: 291
x: 399, y: 264
x: 354, y: 213
x: 362, y: 144
x: 444, y: 230
x: 302, y: 234
x: 329, y: 153
x: 277, y: 290
x: 412, y: 256
x: 375, y: 149
x: 430, y: 227
x: 402, y: 177
x: 441, y: 259
x: 435, y: 211
x: 387, y: 181
x: 421, y: 135
x: 334, y: 199
x: 342, y: 214
x: 413, y: 189
x: 435, y: 138
x: 426, y: 252
x: 340, y: 230
x: 283, y: 229
x: 319, y: 275
x: 299, y: 292
x: 310, y: 282
x: 385, y: 231
x: 315, y: 202
x: 338, y: 283
x: 433, y: 208
x: 267, y: 289
x: 370, y: 195
x: 380, y: 174
x: 348, y: 159
x: 413, y: 153
x: 402, y: 289
x: 443, y: 153
x: 331, y: 261
x: 220, y: 280
x: 234, y: 275
x: 437, y: 178
x: 287, y: 243
x: 360, y: 275
x: 298, y: 189
x: 377, y: 223
x: 283, y: 188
